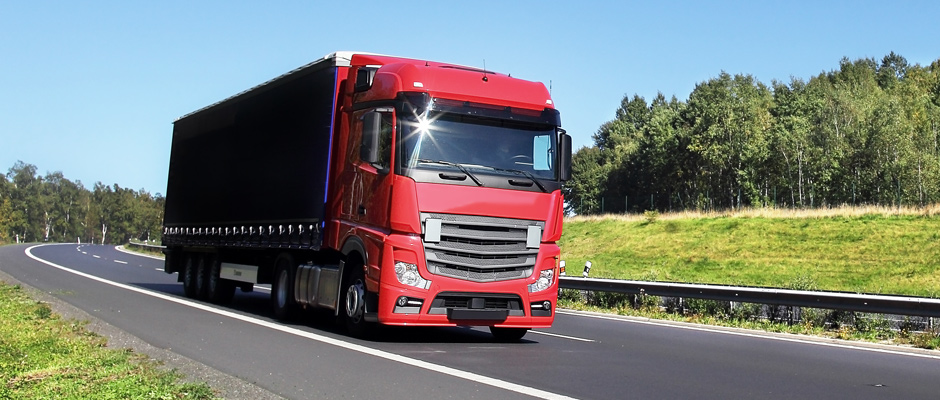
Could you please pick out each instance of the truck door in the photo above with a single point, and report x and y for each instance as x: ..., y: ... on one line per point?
x: 371, y: 184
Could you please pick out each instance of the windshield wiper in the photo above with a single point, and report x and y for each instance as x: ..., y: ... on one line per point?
x: 526, y: 174
x: 457, y: 165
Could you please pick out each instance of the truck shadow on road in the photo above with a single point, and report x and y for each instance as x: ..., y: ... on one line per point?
x: 257, y: 304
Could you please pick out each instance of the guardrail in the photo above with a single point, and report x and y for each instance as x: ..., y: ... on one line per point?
x: 146, y: 246
x: 868, y: 303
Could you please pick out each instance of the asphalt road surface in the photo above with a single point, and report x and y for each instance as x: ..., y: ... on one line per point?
x: 581, y: 356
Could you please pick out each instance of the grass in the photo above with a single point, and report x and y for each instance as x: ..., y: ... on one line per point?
x: 45, y: 357
x: 871, y: 250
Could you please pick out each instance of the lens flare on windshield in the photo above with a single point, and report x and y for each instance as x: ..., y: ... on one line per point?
x: 424, y: 125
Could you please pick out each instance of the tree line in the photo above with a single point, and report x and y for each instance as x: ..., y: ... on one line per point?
x: 37, y: 208
x: 865, y: 133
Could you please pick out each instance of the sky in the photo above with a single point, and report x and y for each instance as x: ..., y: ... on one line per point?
x: 92, y: 88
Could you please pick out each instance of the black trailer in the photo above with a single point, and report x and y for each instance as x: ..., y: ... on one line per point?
x: 251, y: 170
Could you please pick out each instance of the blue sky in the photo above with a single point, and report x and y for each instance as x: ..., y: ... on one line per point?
x: 92, y: 88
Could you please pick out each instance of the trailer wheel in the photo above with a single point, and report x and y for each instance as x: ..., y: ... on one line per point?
x: 219, y: 291
x: 353, y: 300
x: 202, y: 276
x: 189, y: 275
x: 508, y: 334
x: 282, y: 289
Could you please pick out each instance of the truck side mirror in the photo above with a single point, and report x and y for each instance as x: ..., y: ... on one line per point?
x: 371, y: 130
x: 564, y: 155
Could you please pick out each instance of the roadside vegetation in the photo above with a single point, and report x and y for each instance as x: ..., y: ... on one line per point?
x: 816, y: 322
x: 865, y: 250
x: 865, y: 132
x: 43, y: 356
x: 51, y: 208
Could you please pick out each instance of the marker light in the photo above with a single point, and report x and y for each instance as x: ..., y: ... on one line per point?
x: 407, y: 274
x: 546, y: 278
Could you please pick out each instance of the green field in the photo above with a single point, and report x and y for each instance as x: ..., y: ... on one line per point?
x: 856, y: 250
x: 45, y: 357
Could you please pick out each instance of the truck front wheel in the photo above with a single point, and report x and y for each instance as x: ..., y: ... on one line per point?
x: 353, y: 302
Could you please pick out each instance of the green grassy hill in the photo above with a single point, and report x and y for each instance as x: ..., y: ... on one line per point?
x: 857, y: 250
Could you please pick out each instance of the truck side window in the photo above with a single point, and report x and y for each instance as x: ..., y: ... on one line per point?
x: 376, y: 139
x: 385, y: 142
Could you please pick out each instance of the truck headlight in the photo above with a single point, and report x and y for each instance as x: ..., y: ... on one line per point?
x: 407, y: 274
x: 546, y: 277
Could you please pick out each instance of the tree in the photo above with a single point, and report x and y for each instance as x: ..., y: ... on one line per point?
x: 729, y: 119
x: 584, y: 190
x: 6, y: 209
x: 866, y: 132
x: 893, y: 69
x: 28, y: 207
x: 53, y: 208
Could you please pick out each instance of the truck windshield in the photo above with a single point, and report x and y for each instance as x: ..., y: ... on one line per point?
x: 438, y: 140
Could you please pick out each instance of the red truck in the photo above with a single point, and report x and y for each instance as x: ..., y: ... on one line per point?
x: 389, y: 190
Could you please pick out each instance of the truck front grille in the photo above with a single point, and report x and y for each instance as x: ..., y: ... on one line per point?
x: 480, y: 249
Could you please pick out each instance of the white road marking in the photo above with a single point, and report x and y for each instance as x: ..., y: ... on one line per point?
x: 562, y: 336
x: 752, y: 335
x: 95, y: 256
x: 470, y: 376
x: 120, y: 262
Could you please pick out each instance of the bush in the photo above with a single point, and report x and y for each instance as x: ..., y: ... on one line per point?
x: 875, y: 325
x: 715, y: 308
x: 608, y: 299
x: 571, y: 295
x: 926, y: 340
x: 813, y: 317
x: 746, y: 311
x: 650, y: 216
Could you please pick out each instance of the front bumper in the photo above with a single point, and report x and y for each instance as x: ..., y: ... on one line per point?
x: 454, y: 302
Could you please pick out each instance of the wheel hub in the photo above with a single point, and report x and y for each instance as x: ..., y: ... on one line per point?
x: 355, y: 301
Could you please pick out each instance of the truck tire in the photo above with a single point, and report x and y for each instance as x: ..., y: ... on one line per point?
x: 170, y: 262
x: 283, y: 303
x: 219, y: 291
x: 508, y: 334
x: 189, y: 275
x: 353, y: 301
x: 202, y: 276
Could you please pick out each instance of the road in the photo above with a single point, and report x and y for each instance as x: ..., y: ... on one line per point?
x: 581, y: 356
